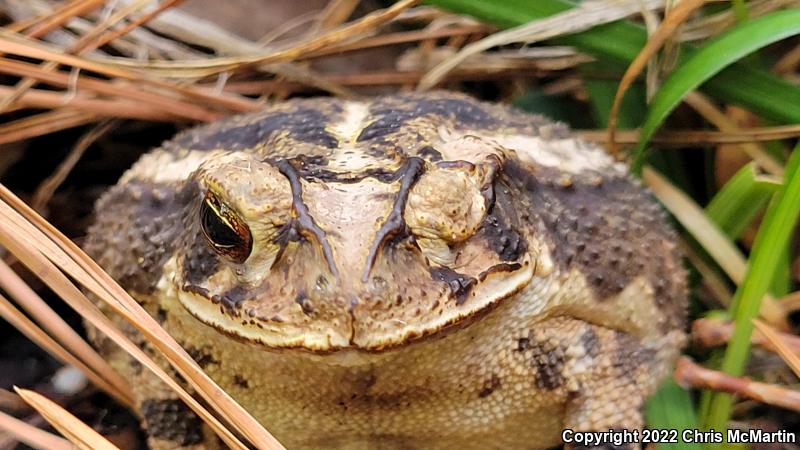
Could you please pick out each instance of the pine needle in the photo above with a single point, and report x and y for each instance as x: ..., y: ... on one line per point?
x: 80, y: 434
x: 32, y: 436
x: 121, y: 392
x: 790, y: 356
x: 46, y: 252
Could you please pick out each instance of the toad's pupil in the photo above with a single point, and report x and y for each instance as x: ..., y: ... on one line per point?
x: 222, y: 236
x: 218, y: 231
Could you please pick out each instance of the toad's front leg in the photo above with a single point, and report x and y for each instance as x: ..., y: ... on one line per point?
x: 605, y: 375
x: 166, y: 420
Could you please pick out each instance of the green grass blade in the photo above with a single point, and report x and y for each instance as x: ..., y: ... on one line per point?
x: 782, y: 279
x: 740, y: 10
x: 768, y: 249
x: 740, y: 199
x: 757, y: 91
x: 729, y: 47
x: 671, y: 408
x: 620, y: 42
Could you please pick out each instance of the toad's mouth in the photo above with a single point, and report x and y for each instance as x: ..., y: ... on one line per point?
x: 353, y: 317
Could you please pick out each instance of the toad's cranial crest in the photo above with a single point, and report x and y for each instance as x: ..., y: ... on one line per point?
x: 414, y: 271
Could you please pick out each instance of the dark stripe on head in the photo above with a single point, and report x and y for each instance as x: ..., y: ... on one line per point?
x: 393, y: 112
x: 303, y: 124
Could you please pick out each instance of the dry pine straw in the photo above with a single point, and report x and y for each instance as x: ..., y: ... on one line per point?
x: 46, y: 252
x: 143, y: 91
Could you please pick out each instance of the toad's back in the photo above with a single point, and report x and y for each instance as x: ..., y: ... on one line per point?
x: 416, y: 271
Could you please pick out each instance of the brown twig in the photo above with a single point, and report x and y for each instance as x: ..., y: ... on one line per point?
x: 382, y: 78
x: 713, y: 281
x: 11, y: 402
x: 88, y: 42
x: 584, y: 16
x: 38, y: 51
x: 111, y: 35
x: 790, y: 302
x: 38, y: 310
x: 716, y: 332
x: 711, y: 113
x: 131, y: 69
x: 718, y: 246
x: 37, y: 252
x: 689, y: 374
x: 401, y: 37
x: 334, y: 14
x: 789, y: 62
x: 18, y: 320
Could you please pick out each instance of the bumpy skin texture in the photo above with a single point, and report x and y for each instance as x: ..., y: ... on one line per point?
x: 424, y: 272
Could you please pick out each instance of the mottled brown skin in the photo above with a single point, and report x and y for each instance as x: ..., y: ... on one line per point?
x: 415, y: 272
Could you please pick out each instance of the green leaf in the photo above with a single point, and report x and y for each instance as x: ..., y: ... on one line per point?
x: 671, y: 408
x: 740, y: 199
x: 727, y: 48
x: 765, y: 258
x: 620, y: 42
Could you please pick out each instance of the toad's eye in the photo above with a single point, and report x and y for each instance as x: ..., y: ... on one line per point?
x: 224, y: 230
